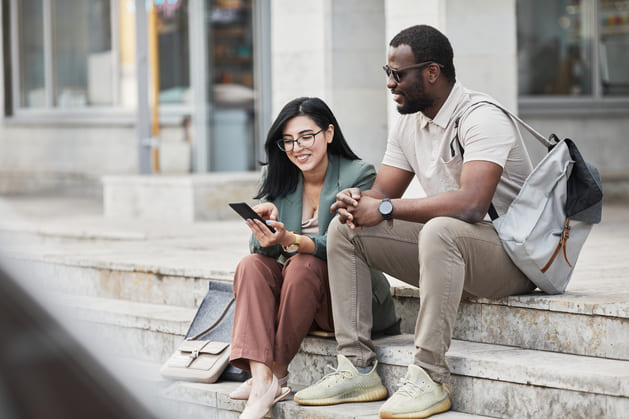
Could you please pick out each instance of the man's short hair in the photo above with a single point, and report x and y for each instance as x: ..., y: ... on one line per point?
x: 428, y: 44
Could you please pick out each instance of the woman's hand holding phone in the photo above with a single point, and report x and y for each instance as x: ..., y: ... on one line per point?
x: 264, y: 235
x: 267, y: 210
x: 266, y: 228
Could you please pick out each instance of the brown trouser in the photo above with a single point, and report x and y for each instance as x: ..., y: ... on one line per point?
x: 277, y: 306
x: 445, y: 258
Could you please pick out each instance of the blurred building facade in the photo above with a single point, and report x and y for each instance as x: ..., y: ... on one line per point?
x: 222, y: 69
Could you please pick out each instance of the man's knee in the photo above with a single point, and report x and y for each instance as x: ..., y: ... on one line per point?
x: 337, y: 231
x: 339, y: 235
x: 438, y: 233
x: 440, y: 228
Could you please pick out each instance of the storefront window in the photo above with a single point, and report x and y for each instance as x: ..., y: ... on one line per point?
x: 554, y: 47
x: 82, y: 55
x: 31, y: 51
x: 174, y: 51
x: 65, y: 53
x: 74, y: 58
x: 573, y: 48
x: 614, y: 24
x: 76, y: 54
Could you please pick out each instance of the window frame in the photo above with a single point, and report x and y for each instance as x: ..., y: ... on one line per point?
x: 170, y: 114
x: 592, y: 104
x: 50, y: 110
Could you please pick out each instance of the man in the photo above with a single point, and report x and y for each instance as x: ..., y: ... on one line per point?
x: 442, y: 243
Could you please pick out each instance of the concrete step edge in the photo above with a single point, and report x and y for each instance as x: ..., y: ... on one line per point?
x: 503, y: 363
x: 217, y: 395
x: 182, y: 272
x: 145, y: 316
x: 564, y: 303
x: 496, y: 362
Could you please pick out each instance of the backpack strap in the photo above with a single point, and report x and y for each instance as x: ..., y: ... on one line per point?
x: 549, y: 144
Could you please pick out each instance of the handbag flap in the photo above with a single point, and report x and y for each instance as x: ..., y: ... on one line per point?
x: 198, y: 365
x: 192, y: 345
x: 214, y: 348
x: 203, y: 346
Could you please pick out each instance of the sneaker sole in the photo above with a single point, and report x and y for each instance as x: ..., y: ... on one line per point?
x: 365, y: 395
x: 440, y: 407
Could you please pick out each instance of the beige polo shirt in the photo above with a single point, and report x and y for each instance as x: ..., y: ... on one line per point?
x: 427, y: 147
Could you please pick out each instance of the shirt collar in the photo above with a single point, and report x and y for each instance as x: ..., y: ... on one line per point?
x: 446, y: 113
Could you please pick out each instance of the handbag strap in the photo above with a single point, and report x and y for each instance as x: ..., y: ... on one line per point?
x: 222, y: 316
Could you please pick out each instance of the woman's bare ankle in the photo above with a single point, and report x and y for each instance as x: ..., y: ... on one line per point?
x: 262, y: 377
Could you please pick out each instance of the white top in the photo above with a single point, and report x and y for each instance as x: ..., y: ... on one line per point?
x: 428, y: 148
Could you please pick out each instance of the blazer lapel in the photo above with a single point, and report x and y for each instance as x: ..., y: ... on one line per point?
x: 290, y: 207
x: 329, y: 190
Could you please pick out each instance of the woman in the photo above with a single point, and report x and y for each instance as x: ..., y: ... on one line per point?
x: 281, y: 288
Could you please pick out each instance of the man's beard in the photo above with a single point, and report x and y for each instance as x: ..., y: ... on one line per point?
x: 417, y: 103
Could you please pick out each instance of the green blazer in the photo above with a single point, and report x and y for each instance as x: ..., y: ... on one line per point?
x: 341, y: 174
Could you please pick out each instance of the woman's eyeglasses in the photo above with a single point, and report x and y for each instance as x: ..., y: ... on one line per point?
x: 305, y: 141
x: 396, y: 72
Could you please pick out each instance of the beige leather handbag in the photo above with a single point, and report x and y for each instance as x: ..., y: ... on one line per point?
x: 199, y: 360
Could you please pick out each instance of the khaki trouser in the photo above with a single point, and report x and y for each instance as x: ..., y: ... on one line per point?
x: 445, y: 258
x: 276, y: 307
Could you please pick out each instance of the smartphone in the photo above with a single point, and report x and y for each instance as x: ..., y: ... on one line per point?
x: 246, y: 212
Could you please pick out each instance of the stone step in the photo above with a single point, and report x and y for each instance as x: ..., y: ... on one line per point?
x: 568, y: 323
x: 180, y: 399
x: 496, y: 380
x: 141, y: 331
x: 193, y: 399
x: 492, y: 380
x: 172, y: 263
x: 131, y: 260
x: 536, y: 321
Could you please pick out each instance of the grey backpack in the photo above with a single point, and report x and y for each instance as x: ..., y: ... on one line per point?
x: 547, y: 223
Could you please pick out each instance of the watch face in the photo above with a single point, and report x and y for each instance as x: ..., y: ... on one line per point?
x: 386, y: 207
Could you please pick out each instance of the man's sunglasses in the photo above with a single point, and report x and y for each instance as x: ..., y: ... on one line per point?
x: 396, y: 72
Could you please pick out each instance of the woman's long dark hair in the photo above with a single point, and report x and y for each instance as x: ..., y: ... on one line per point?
x: 283, y: 175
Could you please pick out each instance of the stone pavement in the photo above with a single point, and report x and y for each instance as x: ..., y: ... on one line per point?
x: 140, y: 281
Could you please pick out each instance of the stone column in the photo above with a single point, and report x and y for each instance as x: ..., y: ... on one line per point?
x: 334, y: 50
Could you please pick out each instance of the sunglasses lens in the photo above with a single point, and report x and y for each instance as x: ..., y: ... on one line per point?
x: 390, y: 71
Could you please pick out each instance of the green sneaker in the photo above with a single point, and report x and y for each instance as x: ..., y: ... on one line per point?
x: 345, y: 384
x: 417, y: 397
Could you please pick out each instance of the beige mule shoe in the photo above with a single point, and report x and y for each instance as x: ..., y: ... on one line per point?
x: 243, y: 390
x: 256, y: 409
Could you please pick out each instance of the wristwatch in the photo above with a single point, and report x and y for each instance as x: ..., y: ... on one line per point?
x: 386, y: 210
x: 293, y: 247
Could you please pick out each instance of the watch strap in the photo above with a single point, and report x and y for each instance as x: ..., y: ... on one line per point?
x: 295, y: 246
